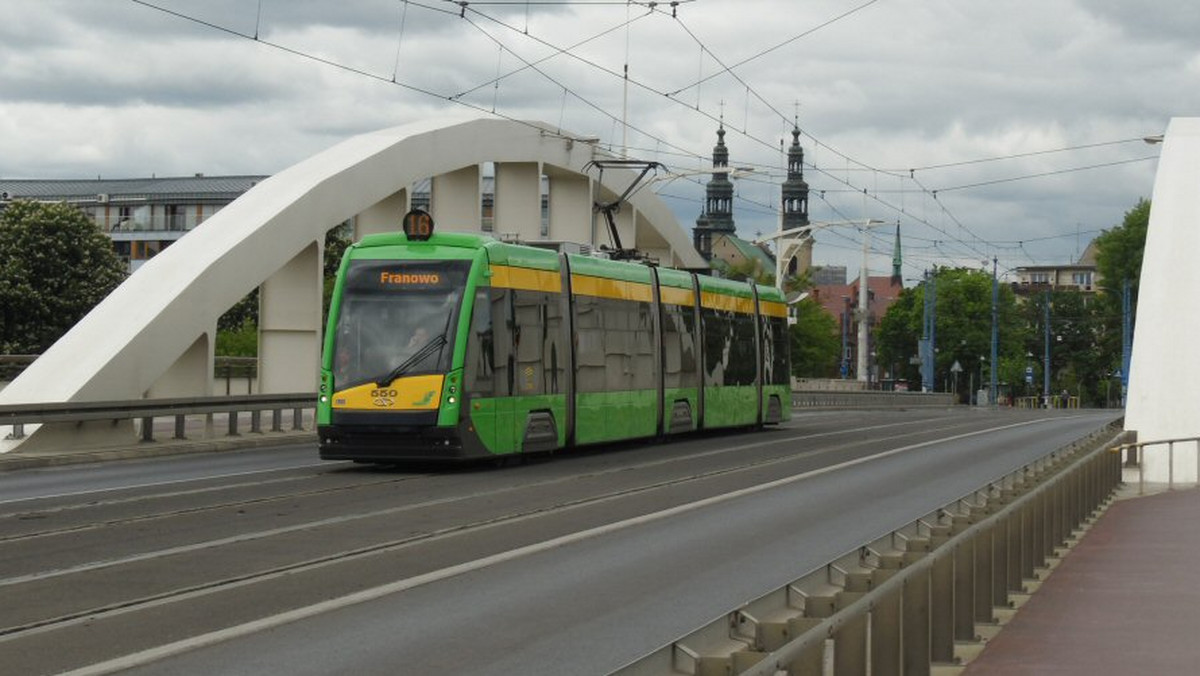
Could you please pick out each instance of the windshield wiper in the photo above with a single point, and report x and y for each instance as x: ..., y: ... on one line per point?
x: 435, y: 343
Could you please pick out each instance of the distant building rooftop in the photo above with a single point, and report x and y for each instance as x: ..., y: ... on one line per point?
x: 192, y: 189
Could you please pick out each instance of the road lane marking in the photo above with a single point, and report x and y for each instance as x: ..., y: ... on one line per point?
x: 238, y: 631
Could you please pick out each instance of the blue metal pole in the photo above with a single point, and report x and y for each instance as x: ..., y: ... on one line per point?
x: 933, y: 331
x: 1126, y: 336
x: 995, y: 329
x: 1046, y: 363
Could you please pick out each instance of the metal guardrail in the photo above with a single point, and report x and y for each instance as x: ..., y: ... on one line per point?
x: 900, y: 604
x: 146, y: 410
x: 1135, y: 454
x: 11, y: 366
x: 869, y: 399
x: 1054, y: 401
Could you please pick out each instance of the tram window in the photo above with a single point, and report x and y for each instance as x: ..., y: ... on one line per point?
x: 618, y: 346
x: 729, y: 352
x: 480, y: 366
x: 642, y: 354
x: 589, y: 354
x: 775, y: 355
x: 502, y: 342
x: 528, y: 316
x: 554, y: 364
x: 679, y: 348
x: 743, y: 355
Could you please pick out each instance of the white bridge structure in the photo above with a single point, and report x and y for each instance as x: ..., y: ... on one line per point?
x: 1164, y: 376
x: 153, y: 337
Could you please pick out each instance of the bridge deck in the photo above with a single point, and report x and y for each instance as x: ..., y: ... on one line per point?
x: 1126, y: 600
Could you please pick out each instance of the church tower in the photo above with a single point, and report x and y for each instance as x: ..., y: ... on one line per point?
x: 795, y: 203
x: 717, y: 218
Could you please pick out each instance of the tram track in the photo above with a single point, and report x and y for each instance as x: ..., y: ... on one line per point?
x: 38, y: 514
x: 216, y: 571
x: 184, y: 593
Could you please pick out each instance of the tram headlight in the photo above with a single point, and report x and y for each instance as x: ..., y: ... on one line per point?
x: 452, y: 400
x: 324, y: 399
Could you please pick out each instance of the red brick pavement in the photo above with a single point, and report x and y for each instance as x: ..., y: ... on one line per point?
x: 1126, y: 600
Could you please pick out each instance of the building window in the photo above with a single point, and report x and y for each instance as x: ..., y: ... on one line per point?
x: 1081, y: 278
x: 1039, y: 277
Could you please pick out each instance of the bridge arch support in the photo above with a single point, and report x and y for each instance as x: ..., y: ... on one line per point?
x: 154, y: 335
x: 1164, y: 395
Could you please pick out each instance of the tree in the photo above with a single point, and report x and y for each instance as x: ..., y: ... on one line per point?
x: 964, y: 330
x: 815, y: 343
x: 237, y: 329
x: 55, y: 266
x: 1119, y: 250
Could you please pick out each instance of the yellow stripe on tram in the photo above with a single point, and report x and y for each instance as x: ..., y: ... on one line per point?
x: 674, y: 296
x: 772, y: 309
x: 619, y: 289
x: 526, y: 279
x: 718, y: 301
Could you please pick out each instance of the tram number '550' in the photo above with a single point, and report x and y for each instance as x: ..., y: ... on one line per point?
x: 418, y: 225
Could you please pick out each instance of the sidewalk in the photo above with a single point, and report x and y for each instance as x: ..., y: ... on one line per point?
x: 202, y: 437
x: 1125, y: 600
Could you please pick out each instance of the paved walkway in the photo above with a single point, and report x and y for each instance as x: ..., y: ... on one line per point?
x: 1125, y: 600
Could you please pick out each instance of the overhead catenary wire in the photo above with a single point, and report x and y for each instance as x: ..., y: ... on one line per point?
x: 671, y: 148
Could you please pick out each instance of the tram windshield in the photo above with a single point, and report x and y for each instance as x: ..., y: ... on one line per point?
x: 397, y: 318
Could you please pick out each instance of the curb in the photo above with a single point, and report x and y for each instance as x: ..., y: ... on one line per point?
x: 150, y: 449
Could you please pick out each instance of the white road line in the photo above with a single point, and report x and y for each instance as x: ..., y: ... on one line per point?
x: 212, y: 638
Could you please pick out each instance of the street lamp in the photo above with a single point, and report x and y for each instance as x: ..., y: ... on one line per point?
x: 995, y: 332
x: 787, y: 241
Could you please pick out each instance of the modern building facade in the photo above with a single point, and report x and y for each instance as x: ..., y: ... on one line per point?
x: 142, y: 216
x: 1081, y: 276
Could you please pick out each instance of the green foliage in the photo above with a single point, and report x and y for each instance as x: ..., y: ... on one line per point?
x: 815, y: 342
x: 237, y: 329
x: 1082, y: 349
x: 241, y: 341
x: 1119, y: 250
x: 55, y: 266
x: 964, y: 329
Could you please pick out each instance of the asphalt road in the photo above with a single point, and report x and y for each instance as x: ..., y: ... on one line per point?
x: 264, y: 562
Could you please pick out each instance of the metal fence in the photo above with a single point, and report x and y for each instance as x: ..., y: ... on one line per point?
x: 178, y: 409
x: 869, y: 399
x: 902, y: 604
x: 1135, y: 455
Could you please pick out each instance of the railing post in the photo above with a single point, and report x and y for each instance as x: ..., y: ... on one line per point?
x: 983, y: 612
x: 915, y: 616
x: 941, y: 599
x: 297, y: 418
x: 233, y: 424
x: 277, y: 420
x: 147, y: 429
x: 179, y: 426
x: 256, y: 421
x: 850, y: 641
x: 886, y: 621
x: 964, y: 583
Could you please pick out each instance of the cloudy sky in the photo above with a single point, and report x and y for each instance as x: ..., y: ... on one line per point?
x: 1010, y: 129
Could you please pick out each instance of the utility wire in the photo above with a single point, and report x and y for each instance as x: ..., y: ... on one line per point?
x: 1046, y: 173
x: 1019, y: 155
x: 682, y: 152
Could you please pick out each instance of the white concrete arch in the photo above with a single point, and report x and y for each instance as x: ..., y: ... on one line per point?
x: 153, y: 336
x: 1164, y: 398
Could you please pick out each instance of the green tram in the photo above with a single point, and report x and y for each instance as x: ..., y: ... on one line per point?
x: 458, y: 346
